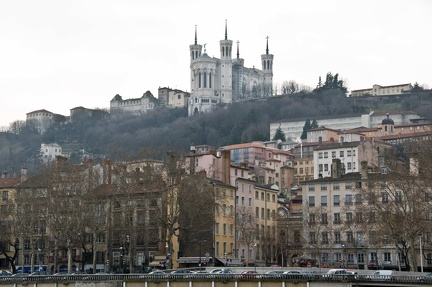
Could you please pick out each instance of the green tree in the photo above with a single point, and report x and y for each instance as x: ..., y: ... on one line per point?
x: 332, y: 82
x: 314, y: 124
x: 306, y: 128
x: 279, y: 135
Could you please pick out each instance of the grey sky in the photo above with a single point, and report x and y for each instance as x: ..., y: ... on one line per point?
x: 57, y: 55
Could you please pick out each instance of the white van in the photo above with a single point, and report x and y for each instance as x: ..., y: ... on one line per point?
x: 382, y: 275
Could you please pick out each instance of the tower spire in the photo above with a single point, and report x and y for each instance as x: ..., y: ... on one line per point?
x: 195, y: 34
x: 238, y: 51
x: 226, y: 30
x: 267, y: 49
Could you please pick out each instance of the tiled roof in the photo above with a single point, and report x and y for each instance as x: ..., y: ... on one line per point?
x: 8, y: 182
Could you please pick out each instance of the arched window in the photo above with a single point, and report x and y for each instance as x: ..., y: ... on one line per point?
x: 199, y: 79
x: 223, y: 51
x: 193, y: 55
x: 226, y: 50
x: 205, y: 79
x: 210, y: 79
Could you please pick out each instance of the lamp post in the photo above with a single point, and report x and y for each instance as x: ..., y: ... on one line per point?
x: 343, y: 255
x: 121, y: 259
x: 226, y: 261
x: 421, y: 253
x: 255, y: 260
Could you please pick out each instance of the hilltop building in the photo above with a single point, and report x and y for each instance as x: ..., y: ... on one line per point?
x: 225, y: 80
x: 378, y: 90
x: 43, y: 119
x: 135, y: 106
x: 173, y: 98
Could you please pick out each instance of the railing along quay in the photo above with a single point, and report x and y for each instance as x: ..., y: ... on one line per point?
x: 361, y: 280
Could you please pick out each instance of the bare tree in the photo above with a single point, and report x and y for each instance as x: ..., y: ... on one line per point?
x: 247, y: 231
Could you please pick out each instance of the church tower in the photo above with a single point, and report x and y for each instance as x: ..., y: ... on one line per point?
x: 267, y: 69
x: 195, y: 53
x: 226, y: 68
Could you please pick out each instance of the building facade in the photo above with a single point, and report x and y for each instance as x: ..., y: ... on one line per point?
x: 378, y: 90
x: 173, y: 98
x: 134, y: 106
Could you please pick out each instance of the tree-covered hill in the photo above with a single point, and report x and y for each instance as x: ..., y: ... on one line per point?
x: 170, y: 129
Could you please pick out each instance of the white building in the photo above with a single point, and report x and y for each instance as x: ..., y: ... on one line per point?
x: 225, y: 80
x: 293, y: 128
x: 50, y: 151
x: 173, y: 98
x: 41, y: 119
x: 378, y: 90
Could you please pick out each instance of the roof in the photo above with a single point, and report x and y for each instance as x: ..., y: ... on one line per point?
x: 410, y: 135
x: 338, y: 145
x: 9, y: 182
x: 244, y: 145
x: 39, y: 111
x: 317, y: 118
x: 345, y: 177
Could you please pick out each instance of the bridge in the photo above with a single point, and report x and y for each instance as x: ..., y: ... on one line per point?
x: 206, y: 280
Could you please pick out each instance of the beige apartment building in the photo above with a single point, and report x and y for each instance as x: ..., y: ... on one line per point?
x: 378, y: 90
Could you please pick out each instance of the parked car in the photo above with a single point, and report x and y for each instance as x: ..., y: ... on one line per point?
x: 248, y: 274
x: 221, y: 271
x: 292, y: 274
x: 40, y: 273
x: 272, y: 274
x: 425, y: 278
x: 4, y: 273
x: 381, y: 275
x: 342, y: 274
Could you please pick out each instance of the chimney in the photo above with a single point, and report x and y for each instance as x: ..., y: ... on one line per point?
x: 320, y: 141
x: 226, y: 166
x: 336, y: 168
x: 364, y: 170
x: 23, y: 174
x: 341, y: 140
x: 332, y: 140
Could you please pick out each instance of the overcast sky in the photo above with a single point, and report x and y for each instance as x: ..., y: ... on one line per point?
x: 57, y: 55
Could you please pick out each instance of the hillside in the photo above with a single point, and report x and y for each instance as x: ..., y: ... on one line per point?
x: 157, y: 132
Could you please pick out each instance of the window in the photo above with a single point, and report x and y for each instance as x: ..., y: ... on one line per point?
x: 350, y: 258
x: 262, y: 195
x: 336, y: 200
x: 336, y: 218
x: 312, y: 238
x: 224, y: 229
x: 336, y: 187
x: 348, y: 217
x: 311, y: 200
x: 360, y: 258
x: 243, y: 200
x: 337, y: 238
x: 359, y: 217
x: 341, y: 153
x: 5, y: 195
x: 323, y: 200
x: 358, y: 198
x: 350, y: 237
x: 387, y: 256
x: 323, y: 187
x: 384, y: 197
x: 348, y: 186
x: 325, y: 154
x: 262, y: 212
x: 311, y: 188
x: 348, y: 153
x: 320, y: 155
x: 324, y: 218
x: 349, y: 166
x: 333, y: 154
x: 256, y: 195
x: 325, y: 167
x: 256, y: 212
x: 217, y: 228
x: 324, y: 237
x: 250, y: 201
x: 320, y: 167
x: 311, y: 218
x: 232, y: 229
x: 348, y: 199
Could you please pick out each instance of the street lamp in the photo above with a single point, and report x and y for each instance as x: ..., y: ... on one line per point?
x: 421, y: 253
x: 226, y: 261
x: 255, y: 261
x: 343, y: 255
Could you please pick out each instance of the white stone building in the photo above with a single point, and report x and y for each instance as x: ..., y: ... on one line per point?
x: 225, y: 80
x: 378, y: 90
x: 134, y: 106
x: 173, y: 98
x: 50, y: 151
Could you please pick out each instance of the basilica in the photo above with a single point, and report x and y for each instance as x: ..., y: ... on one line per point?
x: 225, y: 80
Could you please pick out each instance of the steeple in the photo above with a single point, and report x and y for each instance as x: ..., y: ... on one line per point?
x: 238, y: 51
x: 195, y: 34
x: 267, y: 49
x: 226, y: 30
